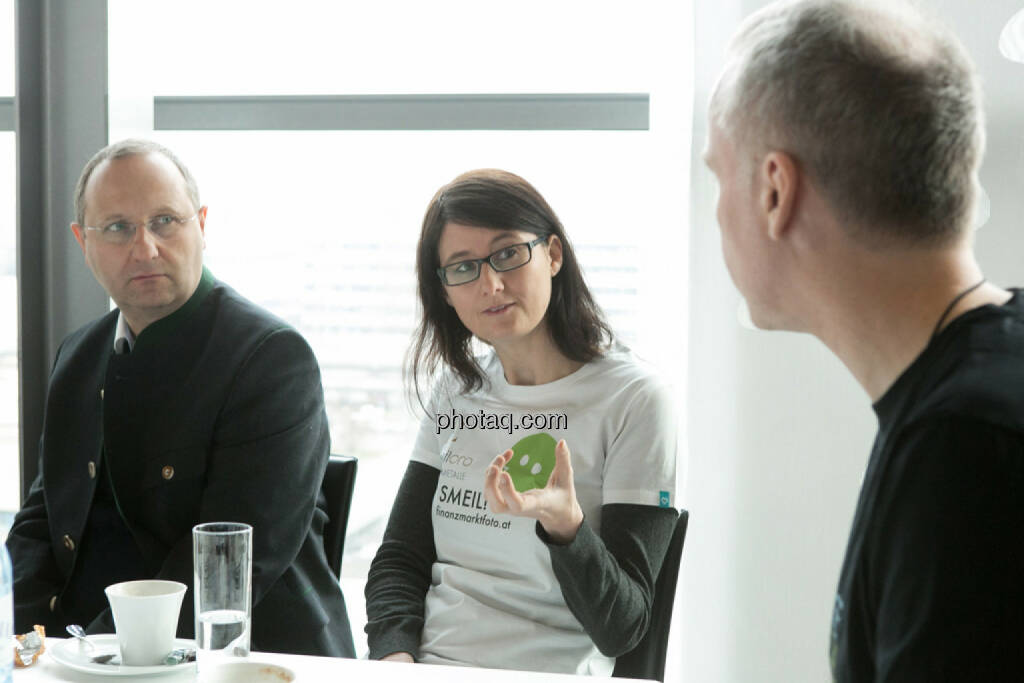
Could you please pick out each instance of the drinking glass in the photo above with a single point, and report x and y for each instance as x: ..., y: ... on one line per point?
x: 222, y: 564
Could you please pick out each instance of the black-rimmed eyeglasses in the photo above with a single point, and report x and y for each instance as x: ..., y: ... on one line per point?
x: 507, y: 258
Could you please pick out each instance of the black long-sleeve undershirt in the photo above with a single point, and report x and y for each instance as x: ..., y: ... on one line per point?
x: 607, y: 581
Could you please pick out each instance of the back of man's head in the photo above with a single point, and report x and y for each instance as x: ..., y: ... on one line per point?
x: 878, y: 105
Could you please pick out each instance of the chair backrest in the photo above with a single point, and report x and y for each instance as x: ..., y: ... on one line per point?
x: 339, y: 483
x: 647, y: 659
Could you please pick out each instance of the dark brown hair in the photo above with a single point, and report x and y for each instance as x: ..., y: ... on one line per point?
x: 498, y: 200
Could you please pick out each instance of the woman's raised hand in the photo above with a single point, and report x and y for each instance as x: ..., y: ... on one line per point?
x: 554, y: 506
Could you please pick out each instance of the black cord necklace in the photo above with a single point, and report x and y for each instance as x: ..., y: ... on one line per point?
x: 954, y: 302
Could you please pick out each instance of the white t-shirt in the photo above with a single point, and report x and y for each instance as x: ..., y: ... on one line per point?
x: 494, y: 600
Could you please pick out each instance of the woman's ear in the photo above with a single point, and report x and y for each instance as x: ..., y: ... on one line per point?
x: 555, y: 254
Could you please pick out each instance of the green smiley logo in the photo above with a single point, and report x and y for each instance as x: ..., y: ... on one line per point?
x: 533, y: 460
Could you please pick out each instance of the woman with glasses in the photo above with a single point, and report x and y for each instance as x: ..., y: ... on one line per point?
x: 533, y: 517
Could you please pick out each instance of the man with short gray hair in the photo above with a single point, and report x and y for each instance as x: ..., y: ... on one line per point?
x: 186, y: 404
x: 846, y: 138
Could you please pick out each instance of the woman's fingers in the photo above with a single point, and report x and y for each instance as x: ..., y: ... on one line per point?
x: 493, y: 490
x: 512, y: 499
x: 557, y: 499
x: 561, y: 475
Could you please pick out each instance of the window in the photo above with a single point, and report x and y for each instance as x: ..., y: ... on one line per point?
x: 9, y: 480
x: 320, y: 226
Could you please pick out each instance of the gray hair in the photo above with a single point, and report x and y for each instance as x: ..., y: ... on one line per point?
x: 130, y: 148
x: 881, y: 106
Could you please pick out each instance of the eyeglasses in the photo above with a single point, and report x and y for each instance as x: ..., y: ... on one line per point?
x: 163, y: 227
x: 507, y: 258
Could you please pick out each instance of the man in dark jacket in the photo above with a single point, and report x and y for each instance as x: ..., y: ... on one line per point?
x: 187, y: 404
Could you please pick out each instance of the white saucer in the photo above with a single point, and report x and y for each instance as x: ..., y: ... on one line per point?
x: 71, y: 654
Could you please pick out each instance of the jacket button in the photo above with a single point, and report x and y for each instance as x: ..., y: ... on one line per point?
x: 53, y: 604
x: 167, y: 472
x: 92, y: 469
x: 69, y: 543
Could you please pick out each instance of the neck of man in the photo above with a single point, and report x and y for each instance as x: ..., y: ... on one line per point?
x: 141, y: 317
x: 534, y: 359
x: 879, y: 309
x: 140, y: 320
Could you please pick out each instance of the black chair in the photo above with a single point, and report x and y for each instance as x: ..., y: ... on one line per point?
x: 339, y: 483
x: 647, y: 659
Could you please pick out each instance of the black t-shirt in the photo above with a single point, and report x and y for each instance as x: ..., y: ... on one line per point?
x: 932, y: 587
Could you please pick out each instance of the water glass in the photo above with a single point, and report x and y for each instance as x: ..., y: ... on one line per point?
x: 222, y: 563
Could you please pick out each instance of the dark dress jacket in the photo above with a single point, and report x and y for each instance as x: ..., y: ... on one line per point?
x: 217, y: 414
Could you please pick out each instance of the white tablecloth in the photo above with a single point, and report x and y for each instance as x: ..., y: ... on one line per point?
x: 309, y: 669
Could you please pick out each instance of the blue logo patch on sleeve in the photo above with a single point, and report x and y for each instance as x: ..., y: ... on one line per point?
x: 663, y: 499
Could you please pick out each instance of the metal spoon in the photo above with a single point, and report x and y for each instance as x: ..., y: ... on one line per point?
x: 79, y: 633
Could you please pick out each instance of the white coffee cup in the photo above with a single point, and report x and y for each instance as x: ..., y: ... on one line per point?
x: 145, y: 618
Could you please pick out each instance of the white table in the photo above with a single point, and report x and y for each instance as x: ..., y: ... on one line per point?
x: 309, y: 669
